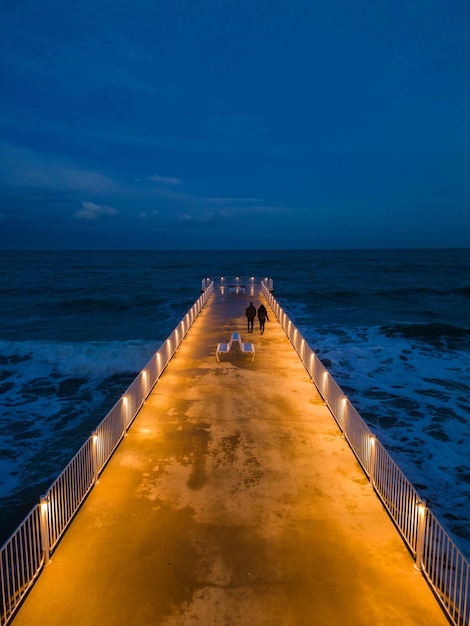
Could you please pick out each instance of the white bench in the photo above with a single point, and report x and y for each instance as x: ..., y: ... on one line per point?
x: 235, y: 338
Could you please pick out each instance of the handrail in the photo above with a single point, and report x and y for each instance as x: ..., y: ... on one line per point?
x: 25, y: 553
x: 442, y: 564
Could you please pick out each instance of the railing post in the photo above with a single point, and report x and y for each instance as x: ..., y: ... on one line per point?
x: 344, y: 409
x: 125, y: 414
x: 44, y: 521
x: 145, y: 385
x: 325, y: 387
x: 345, y: 418
x: 94, y: 456
x: 420, y: 538
x: 373, y: 454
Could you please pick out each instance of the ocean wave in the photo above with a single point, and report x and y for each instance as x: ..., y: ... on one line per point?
x: 463, y: 291
x: 360, y: 291
x: 52, y: 395
x: 79, y: 306
x: 433, y: 333
x: 89, y: 359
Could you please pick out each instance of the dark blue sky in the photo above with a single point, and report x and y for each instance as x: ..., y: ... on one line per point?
x: 235, y: 124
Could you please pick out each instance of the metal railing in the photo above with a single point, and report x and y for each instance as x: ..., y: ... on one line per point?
x: 25, y: 553
x: 441, y: 562
x: 226, y: 285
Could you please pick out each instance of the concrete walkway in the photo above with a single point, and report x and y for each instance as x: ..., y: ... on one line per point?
x: 233, y: 500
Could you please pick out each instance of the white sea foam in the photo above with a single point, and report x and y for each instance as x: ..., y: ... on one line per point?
x: 48, y: 389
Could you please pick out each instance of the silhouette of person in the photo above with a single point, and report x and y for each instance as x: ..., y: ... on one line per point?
x: 263, y: 317
x: 250, y: 314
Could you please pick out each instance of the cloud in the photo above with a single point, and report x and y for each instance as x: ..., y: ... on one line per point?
x: 146, y: 214
x: 230, y: 201
x: 204, y: 217
x: 26, y: 168
x: 165, y: 180
x: 92, y: 212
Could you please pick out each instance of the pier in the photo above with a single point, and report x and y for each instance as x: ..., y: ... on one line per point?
x: 233, y: 499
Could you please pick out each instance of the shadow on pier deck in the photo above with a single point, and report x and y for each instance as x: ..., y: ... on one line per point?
x: 233, y: 500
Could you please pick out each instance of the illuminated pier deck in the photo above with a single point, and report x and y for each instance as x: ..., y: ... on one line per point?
x: 233, y: 500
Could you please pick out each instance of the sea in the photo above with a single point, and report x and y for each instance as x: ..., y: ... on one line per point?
x: 392, y: 327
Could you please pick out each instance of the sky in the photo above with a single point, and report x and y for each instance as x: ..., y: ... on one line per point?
x: 234, y: 124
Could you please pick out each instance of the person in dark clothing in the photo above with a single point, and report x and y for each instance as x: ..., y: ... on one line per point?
x: 251, y: 314
x: 263, y: 317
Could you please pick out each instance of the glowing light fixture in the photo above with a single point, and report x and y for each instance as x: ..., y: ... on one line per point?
x: 420, y: 534
x: 372, y: 460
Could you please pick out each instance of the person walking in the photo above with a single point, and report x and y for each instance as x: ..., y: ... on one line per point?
x: 251, y: 314
x: 263, y: 317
